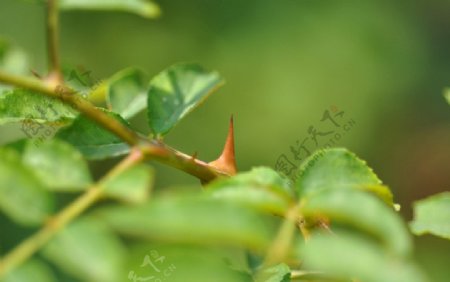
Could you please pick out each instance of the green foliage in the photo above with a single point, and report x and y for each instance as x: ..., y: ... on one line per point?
x: 127, y: 93
x: 277, y: 273
x: 175, y: 92
x: 171, y: 219
x: 132, y: 185
x: 32, y: 270
x: 93, y: 141
x: 361, y: 211
x: 349, y: 256
x: 144, y: 8
x: 88, y: 250
x: 447, y: 94
x: 338, y: 169
x: 58, y: 165
x: 262, y: 188
x: 23, y: 105
x: 344, y: 215
x: 12, y: 59
x: 23, y: 197
x: 432, y: 215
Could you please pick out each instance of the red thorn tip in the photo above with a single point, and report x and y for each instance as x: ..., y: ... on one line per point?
x: 227, y: 162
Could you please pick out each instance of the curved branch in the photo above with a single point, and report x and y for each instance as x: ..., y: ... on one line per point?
x: 34, y: 243
x: 54, y: 63
x: 151, y: 148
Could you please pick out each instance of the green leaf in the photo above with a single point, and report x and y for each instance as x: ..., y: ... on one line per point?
x: 182, y: 263
x: 12, y: 59
x: 190, y: 220
x: 132, y: 186
x: 383, y: 192
x: 127, y: 93
x: 22, y: 197
x: 261, y: 188
x: 345, y: 256
x: 58, y: 165
x: 32, y: 108
x: 447, y: 94
x: 432, y: 215
x: 362, y: 211
x: 32, y: 270
x: 175, y: 92
x: 337, y: 168
x: 81, y: 80
x: 144, y: 8
x: 92, y: 140
x: 277, y: 273
x: 89, y: 251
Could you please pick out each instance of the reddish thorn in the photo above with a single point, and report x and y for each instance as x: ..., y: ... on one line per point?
x: 227, y: 162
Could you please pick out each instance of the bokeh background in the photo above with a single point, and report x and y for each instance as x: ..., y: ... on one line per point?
x: 384, y: 63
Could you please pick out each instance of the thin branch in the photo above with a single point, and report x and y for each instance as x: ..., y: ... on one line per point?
x: 70, y: 97
x: 281, y: 245
x: 150, y: 148
x: 309, y: 275
x: 53, y: 41
x: 32, y: 244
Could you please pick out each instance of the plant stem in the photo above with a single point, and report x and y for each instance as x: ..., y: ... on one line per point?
x: 281, y: 245
x: 309, y: 275
x: 53, y: 41
x: 150, y: 148
x: 32, y: 244
x: 70, y: 97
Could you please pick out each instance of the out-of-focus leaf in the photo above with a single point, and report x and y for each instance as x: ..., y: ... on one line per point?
x: 92, y: 140
x: 362, y: 211
x: 277, y: 273
x: 192, y: 220
x: 132, y: 186
x: 23, y: 197
x: 144, y: 8
x: 32, y: 270
x: 261, y: 188
x: 175, y: 92
x: 58, y: 165
x: 12, y: 59
x: 81, y: 80
x: 23, y: 105
x: 337, y: 168
x: 447, y: 94
x: 432, y: 215
x: 98, y: 92
x: 258, y: 176
x: 181, y: 263
x: 345, y: 256
x: 127, y: 93
x: 89, y: 251
x: 381, y: 191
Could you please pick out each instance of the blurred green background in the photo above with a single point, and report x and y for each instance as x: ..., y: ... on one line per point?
x: 384, y: 63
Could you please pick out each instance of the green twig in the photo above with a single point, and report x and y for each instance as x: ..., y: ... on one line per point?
x: 53, y: 41
x: 32, y: 244
x: 281, y: 245
x: 151, y: 148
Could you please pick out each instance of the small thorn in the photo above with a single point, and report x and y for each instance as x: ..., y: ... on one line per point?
x: 194, y: 156
x: 35, y: 73
x: 227, y: 162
